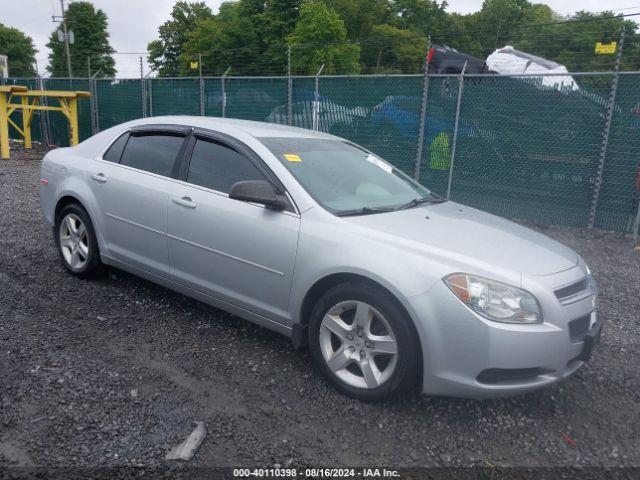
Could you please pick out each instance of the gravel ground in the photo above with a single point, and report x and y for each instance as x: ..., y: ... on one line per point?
x: 113, y: 372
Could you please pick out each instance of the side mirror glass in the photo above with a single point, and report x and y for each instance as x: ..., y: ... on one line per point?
x: 258, y: 191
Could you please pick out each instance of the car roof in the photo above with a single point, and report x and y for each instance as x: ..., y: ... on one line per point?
x: 252, y: 128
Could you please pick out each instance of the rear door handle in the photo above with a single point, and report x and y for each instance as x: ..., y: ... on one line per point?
x: 184, y: 202
x: 99, y: 177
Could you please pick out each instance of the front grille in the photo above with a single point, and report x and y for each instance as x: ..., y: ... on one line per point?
x: 571, y: 290
x: 578, y: 328
x: 494, y: 376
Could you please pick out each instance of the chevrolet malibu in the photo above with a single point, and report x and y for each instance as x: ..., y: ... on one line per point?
x: 390, y: 286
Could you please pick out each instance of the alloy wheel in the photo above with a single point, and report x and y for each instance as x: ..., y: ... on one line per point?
x: 74, y: 242
x: 358, y: 344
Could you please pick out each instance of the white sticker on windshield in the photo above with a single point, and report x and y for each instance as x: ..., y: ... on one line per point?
x: 379, y: 163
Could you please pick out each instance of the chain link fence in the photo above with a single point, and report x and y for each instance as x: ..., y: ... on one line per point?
x: 550, y: 149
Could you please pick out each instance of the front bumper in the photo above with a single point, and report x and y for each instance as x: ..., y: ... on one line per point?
x: 466, y: 355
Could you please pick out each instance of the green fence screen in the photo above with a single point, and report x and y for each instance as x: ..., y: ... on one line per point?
x: 534, y: 148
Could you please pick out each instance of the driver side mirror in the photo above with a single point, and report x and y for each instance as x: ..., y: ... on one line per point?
x: 258, y: 191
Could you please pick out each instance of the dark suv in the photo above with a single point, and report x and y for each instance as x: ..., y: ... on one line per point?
x: 449, y: 60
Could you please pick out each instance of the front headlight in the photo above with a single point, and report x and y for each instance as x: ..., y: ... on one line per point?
x: 495, y: 300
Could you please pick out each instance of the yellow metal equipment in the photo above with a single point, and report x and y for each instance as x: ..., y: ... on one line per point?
x: 29, y: 103
x: 5, y: 93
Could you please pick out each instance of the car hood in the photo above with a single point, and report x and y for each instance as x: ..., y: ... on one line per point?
x: 454, y: 231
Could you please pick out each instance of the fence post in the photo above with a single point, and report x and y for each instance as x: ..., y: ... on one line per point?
x: 201, y: 81
x: 143, y: 91
x: 97, y: 105
x: 289, y: 89
x: 636, y: 226
x: 316, y: 101
x: 605, y: 135
x: 455, y: 130
x: 224, y: 93
x: 423, y: 113
x: 91, y: 106
x: 150, y: 95
x: 44, y: 116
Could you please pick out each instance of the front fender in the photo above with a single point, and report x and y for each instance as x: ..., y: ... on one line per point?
x: 326, y: 249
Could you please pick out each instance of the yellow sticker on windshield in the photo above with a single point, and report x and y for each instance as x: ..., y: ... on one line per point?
x: 292, y: 157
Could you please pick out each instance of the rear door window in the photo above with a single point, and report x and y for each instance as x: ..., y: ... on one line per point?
x: 154, y: 152
x: 216, y: 166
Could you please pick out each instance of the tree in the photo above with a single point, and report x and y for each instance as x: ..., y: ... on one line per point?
x: 20, y: 51
x: 164, y: 53
x: 91, y: 42
x: 572, y: 43
x: 494, y: 23
x: 274, y: 25
x: 424, y: 16
x: 320, y: 37
x: 392, y: 50
x: 360, y: 16
x: 462, y: 36
x: 228, y: 39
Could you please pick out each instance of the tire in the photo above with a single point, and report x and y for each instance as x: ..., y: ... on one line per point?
x: 358, y: 357
x: 76, y: 242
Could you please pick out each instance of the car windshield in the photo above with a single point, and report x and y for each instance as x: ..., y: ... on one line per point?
x: 345, y: 179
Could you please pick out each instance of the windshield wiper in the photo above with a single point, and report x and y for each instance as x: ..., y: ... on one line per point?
x: 364, y: 211
x: 431, y: 198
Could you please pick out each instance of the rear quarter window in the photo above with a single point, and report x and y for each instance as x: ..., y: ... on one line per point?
x: 114, y: 152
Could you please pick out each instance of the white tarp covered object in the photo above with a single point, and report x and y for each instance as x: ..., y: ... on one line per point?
x: 509, y: 61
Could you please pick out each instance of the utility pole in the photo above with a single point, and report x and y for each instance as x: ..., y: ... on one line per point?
x: 66, y: 40
x: 89, y: 65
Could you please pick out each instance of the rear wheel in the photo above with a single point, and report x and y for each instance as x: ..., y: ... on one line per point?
x: 363, y: 342
x: 76, y: 242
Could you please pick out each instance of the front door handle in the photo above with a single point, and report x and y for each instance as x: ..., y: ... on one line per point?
x: 184, y: 202
x: 99, y: 177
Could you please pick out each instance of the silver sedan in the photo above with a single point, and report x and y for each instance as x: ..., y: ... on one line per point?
x: 391, y: 287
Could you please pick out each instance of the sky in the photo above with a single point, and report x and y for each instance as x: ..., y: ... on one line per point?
x: 134, y: 23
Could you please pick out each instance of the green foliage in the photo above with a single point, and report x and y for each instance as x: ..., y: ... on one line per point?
x: 424, y: 16
x: 573, y: 44
x: 360, y: 16
x: 274, y: 25
x: 91, y: 40
x: 320, y: 37
x: 248, y: 35
x: 227, y: 40
x: 392, y: 50
x: 20, y: 51
x: 164, y: 53
x: 349, y: 36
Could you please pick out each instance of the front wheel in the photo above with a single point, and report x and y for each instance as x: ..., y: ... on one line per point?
x: 364, y: 343
x: 76, y: 242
